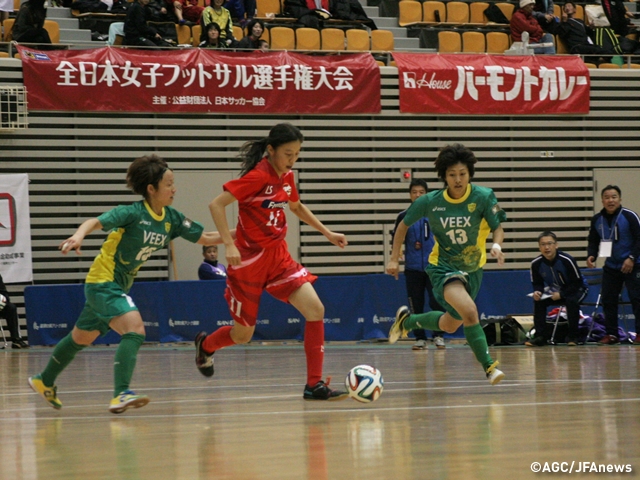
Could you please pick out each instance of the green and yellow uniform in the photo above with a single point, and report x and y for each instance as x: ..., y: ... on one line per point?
x: 135, y: 233
x: 460, y: 227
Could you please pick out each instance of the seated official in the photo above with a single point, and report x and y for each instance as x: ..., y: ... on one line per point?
x: 556, y: 274
x: 9, y: 312
x: 211, y: 269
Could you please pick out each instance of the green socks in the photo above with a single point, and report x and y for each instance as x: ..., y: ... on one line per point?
x: 125, y: 361
x: 63, y: 353
x: 478, y: 342
x: 427, y: 321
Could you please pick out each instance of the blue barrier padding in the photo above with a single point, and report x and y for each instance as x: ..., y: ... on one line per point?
x: 356, y: 308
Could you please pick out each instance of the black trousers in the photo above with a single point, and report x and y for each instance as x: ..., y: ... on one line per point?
x: 417, y: 282
x: 573, y: 314
x: 10, y: 314
x: 612, y: 282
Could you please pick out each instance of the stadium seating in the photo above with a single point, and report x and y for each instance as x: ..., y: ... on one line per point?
x: 473, y: 42
x: 457, y: 12
x: 238, y: 32
x: 184, y: 34
x: 268, y: 6
x: 282, y: 38
x: 332, y: 39
x: 507, y: 9
x: 7, y: 25
x: 609, y: 65
x: 476, y: 12
x: 497, y: 42
x: 307, y: 39
x: 429, y: 9
x: 358, y: 40
x: 196, y: 31
x: 561, y: 46
x: 382, y: 41
x: 449, y: 42
x: 410, y: 12
x: 53, y: 29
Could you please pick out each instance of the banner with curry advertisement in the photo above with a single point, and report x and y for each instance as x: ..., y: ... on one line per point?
x: 199, y: 80
x: 492, y: 84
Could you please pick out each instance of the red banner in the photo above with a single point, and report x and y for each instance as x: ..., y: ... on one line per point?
x: 195, y: 80
x: 492, y: 85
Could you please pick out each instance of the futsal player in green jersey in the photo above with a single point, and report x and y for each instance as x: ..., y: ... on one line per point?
x: 461, y: 216
x: 136, y: 231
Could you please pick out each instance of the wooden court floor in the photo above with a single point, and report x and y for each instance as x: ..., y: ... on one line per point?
x: 438, y: 417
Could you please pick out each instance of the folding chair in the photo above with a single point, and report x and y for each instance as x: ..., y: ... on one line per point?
x: 4, y: 338
x: 594, y: 278
x: 558, y: 319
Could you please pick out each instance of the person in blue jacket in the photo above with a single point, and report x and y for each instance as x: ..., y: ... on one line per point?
x: 210, y: 268
x: 417, y: 247
x: 556, y: 280
x: 615, y: 234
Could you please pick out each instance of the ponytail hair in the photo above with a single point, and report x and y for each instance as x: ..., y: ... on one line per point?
x: 252, y: 151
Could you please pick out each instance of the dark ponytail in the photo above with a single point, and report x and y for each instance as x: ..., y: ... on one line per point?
x: 252, y: 151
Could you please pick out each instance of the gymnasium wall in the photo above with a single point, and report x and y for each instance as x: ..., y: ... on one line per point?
x: 349, y: 172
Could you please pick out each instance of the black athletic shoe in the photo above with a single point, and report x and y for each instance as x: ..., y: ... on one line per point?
x: 204, y: 360
x: 18, y: 344
x: 321, y: 391
x: 538, y: 341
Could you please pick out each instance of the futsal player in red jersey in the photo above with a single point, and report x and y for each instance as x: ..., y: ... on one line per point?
x: 259, y: 260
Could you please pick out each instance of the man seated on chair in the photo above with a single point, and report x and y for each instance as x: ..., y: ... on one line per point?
x: 9, y: 312
x: 522, y: 21
x: 578, y: 36
x: 556, y: 280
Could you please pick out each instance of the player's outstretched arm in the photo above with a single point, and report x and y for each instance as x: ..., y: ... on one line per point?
x: 74, y: 242
x: 303, y: 213
x: 214, y: 238
x: 393, y: 266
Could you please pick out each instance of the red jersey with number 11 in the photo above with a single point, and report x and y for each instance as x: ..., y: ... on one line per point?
x: 262, y: 196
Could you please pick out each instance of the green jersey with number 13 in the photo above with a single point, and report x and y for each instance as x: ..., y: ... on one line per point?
x: 460, y: 226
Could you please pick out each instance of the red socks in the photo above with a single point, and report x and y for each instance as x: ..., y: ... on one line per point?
x: 219, y: 339
x: 314, y: 350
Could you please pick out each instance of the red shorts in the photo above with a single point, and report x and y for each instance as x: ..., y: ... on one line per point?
x: 271, y: 269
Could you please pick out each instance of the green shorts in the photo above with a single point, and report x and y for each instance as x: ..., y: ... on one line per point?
x: 104, y: 301
x: 440, y: 276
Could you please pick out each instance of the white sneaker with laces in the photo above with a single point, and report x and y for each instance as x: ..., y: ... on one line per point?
x: 439, y: 342
x: 419, y: 345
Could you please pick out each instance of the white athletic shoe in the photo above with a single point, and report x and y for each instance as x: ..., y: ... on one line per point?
x: 419, y: 345
x: 439, y: 342
x: 494, y: 375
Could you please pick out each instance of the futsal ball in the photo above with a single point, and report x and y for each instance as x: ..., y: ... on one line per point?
x: 364, y: 383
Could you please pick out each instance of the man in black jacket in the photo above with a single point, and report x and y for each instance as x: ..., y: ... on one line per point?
x: 577, y: 35
x: 556, y: 280
x: 9, y: 312
x: 136, y: 30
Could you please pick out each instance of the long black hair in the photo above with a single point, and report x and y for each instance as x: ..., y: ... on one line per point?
x: 252, y: 151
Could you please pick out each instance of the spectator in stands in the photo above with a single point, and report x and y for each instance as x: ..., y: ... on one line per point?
x: 186, y: 10
x: 556, y: 280
x: 310, y: 13
x: 417, y: 247
x: 615, y: 234
x: 578, y: 36
x: 351, y: 10
x: 29, y: 24
x: 264, y: 46
x: 543, y: 13
x: 136, y: 30
x: 211, y: 269
x: 212, y: 37
x: 160, y: 13
x: 524, y: 21
x: 255, y: 28
x: 6, y: 7
x: 618, y: 16
x: 9, y: 312
x: 220, y: 15
x: 242, y: 10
